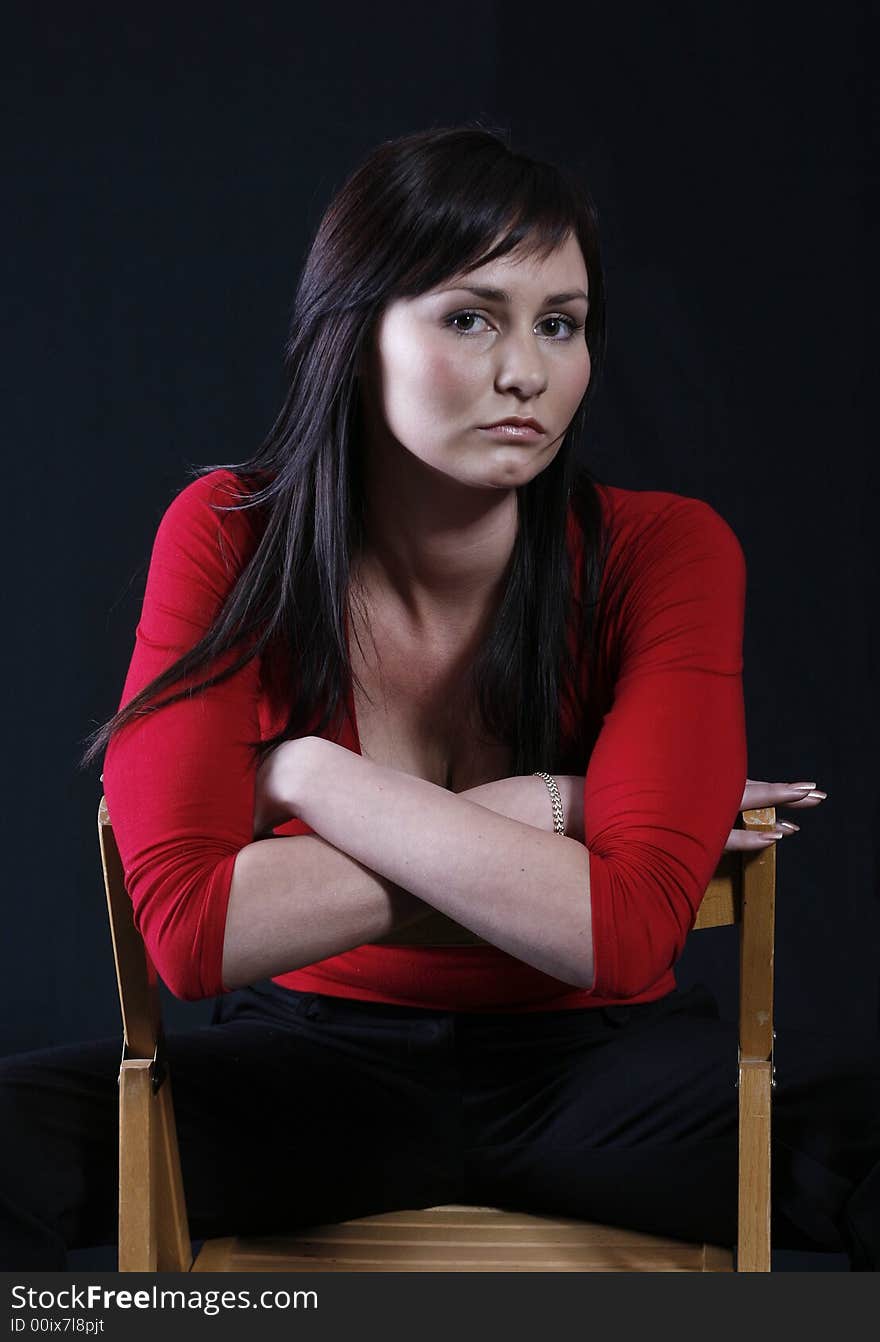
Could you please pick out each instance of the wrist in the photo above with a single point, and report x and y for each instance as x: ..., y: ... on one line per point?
x: 557, y: 807
x: 302, y: 772
x: 525, y: 797
x: 277, y: 788
x: 571, y: 788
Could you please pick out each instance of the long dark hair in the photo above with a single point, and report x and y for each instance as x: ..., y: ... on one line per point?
x: 420, y: 209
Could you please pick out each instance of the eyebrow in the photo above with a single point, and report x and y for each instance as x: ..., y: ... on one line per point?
x: 501, y: 295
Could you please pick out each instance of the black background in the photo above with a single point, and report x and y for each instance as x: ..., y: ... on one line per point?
x: 164, y: 173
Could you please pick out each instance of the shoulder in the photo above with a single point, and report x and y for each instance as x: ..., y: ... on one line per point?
x: 210, y: 521
x: 647, y: 526
x: 218, y: 493
x: 675, y: 582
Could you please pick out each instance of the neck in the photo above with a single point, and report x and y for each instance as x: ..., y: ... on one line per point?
x: 439, y: 549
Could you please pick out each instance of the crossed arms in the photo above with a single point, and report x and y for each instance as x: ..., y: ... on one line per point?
x: 486, y: 858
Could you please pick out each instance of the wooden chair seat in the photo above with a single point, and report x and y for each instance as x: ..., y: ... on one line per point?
x: 153, y: 1228
x: 457, y: 1238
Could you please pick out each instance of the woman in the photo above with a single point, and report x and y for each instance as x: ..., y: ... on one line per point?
x: 410, y: 675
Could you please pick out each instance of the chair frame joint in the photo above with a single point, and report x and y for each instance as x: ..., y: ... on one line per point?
x: 158, y: 1063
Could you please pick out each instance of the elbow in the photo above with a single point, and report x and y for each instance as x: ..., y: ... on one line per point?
x: 639, y: 964
x: 181, y: 918
x: 640, y: 920
x: 177, y: 964
x: 182, y: 983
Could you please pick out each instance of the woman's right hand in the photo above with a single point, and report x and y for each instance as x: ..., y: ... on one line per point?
x: 804, y: 796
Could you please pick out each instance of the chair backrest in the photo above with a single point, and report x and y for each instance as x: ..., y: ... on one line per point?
x: 743, y: 890
x: 136, y: 976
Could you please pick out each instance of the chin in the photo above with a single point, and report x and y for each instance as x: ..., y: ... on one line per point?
x: 510, y: 478
x: 523, y: 466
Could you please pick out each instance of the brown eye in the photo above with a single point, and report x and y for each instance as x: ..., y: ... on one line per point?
x: 567, y: 323
x: 463, y: 316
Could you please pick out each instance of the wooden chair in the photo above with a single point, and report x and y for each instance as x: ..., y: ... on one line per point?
x: 153, y: 1229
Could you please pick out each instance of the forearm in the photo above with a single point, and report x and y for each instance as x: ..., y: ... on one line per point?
x: 294, y: 901
x: 527, y: 799
x: 520, y: 887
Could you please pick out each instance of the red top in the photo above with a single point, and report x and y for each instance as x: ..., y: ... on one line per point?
x: 663, y: 782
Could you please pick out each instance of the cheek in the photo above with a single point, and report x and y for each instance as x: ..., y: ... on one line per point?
x: 435, y: 380
x: 578, y: 378
x: 448, y: 375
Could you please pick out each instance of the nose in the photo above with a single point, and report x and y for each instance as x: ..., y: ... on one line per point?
x: 521, y: 368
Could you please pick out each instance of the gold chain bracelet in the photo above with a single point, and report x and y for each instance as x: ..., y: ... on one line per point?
x: 556, y: 800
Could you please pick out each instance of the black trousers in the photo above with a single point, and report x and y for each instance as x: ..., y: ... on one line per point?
x: 295, y: 1109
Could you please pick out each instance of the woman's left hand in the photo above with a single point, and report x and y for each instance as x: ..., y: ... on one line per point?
x: 758, y: 794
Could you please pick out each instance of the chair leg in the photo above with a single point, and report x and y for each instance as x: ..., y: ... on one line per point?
x: 153, y: 1232
x: 137, y: 1225
x: 174, y: 1244
x: 753, y: 1247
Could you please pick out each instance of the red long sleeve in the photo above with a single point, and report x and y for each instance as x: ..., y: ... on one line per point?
x: 662, y: 786
x: 179, y: 783
x: 667, y: 774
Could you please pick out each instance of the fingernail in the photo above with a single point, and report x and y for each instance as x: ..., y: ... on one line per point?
x: 786, y: 824
x: 820, y: 795
x: 770, y: 837
x: 801, y: 787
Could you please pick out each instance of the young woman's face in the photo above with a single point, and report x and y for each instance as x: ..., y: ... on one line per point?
x: 448, y: 363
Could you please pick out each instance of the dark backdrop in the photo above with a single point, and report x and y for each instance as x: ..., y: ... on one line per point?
x: 164, y: 175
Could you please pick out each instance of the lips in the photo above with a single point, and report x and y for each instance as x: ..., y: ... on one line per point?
x: 516, y: 423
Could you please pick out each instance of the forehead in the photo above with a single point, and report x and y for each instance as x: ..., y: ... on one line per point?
x: 563, y: 268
